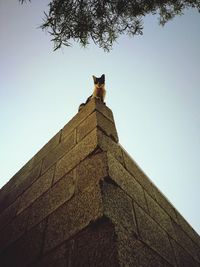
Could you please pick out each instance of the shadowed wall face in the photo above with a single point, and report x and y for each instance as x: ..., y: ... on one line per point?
x: 82, y: 201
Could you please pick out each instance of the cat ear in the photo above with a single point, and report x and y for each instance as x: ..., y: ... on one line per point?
x: 103, y: 78
x: 94, y: 78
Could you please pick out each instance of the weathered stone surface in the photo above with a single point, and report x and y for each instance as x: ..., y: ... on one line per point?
x: 107, y: 144
x: 53, y: 142
x: 117, y: 206
x: 96, y: 119
x: 76, y: 155
x: 20, y: 185
x: 126, y: 181
x: 13, y: 230
x: 138, y: 174
x: 153, y: 235
x: 95, y: 246
x: 90, y: 171
x: 25, y: 250
x: 52, y: 199
x: 187, y: 242
x: 81, y: 212
x: 183, y: 259
x: 59, y: 151
x: 41, y: 185
x: 12, y: 182
x: 165, y: 204
x: 133, y: 252
x: 9, y: 213
x: 86, y: 126
x: 73, y: 216
x: 56, y: 258
x: 188, y: 229
x: 27, y: 169
x: 148, y: 257
x: 94, y: 104
x: 160, y: 216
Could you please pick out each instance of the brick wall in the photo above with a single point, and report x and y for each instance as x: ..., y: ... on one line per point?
x: 82, y: 201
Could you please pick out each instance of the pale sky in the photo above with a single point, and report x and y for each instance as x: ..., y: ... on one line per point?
x: 152, y: 84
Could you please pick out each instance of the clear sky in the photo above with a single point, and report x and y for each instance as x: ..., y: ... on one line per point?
x: 152, y: 86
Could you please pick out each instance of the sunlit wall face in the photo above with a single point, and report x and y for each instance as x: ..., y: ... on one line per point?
x: 152, y: 84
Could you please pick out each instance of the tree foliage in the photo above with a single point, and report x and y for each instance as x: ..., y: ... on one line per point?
x: 103, y: 21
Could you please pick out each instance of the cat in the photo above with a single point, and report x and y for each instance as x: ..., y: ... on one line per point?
x: 99, y: 90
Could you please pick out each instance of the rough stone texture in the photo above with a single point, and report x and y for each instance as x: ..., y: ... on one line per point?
x: 187, y: 228
x: 138, y: 174
x: 20, y: 185
x: 41, y: 185
x: 187, y: 242
x: 14, y: 230
x: 25, y: 250
x: 53, y: 142
x: 92, y: 106
x: 59, y: 151
x: 118, y: 206
x: 82, y: 201
x: 127, y: 182
x: 160, y: 216
x: 73, y: 216
x: 52, y: 199
x: 153, y: 235
x: 90, y: 171
x: 56, y: 258
x: 134, y: 252
x: 95, y: 246
x: 9, y: 213
x: 107, y: 144
x: 96, y: 119
x: 76, y: 155
x: 182, y: 257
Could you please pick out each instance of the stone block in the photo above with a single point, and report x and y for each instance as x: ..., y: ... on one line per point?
x: 147, y: 257
x: 184, y: 240
x: 126, y: 181
x: 52, y: 199
x: 117, y: 206
x: 159, y: 215
x: 76, y: 155
x: 25, y: 250
x: 14, y: 180
x: 14, y: 230
x: 188, y: 229
x: 93, y: 105
x: 183, y: 259
x: 107, y: 144
x: 60, y: 150
x: 138, y: 174
x: 91, y: 170
x: 96, y: 119
x: 95, y: 246
x: 165, y: 204
x: 133, y: 252
x: 9, y: 213
x: 73, y: 216
x: 40, y: 186
x: 153, y: 235
x: 53, y: 142
x: 56, y: 258
x: 20, y: 185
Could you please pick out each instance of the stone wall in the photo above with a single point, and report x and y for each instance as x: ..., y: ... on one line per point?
x: 82, y: 201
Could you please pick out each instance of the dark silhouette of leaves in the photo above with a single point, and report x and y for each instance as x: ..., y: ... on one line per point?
x: 104, y: 21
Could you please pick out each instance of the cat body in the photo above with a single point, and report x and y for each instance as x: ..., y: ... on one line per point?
x: 99, y: 91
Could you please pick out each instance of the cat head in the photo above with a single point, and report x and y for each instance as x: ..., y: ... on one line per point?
x: 100, y: 82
